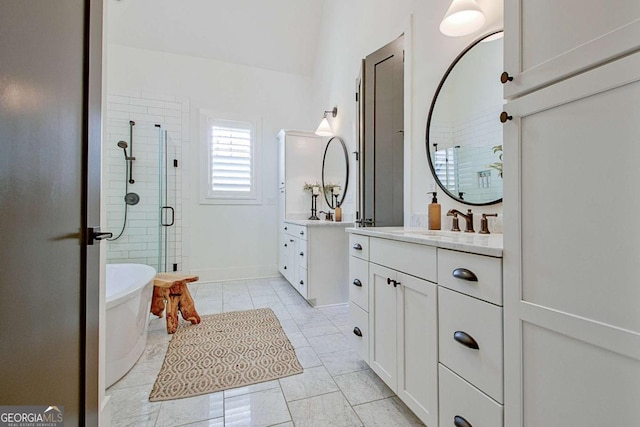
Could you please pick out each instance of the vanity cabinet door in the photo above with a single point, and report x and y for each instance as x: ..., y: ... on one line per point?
x: 546, y: 41
x: 383, y: 324
x: 572, y: 323
x: 418, y: 347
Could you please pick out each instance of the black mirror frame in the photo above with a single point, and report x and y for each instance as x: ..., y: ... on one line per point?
x: 346, y: 181
x: 433, y: 104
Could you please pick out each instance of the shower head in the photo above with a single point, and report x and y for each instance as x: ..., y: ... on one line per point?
x: 122, y: 144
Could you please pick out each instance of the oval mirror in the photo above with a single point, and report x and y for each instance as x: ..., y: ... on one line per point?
x: 335, y: 171
x: 464, y: 135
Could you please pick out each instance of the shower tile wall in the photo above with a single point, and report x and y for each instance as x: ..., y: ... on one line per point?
x: 476, y: 136
x: 139, y: 243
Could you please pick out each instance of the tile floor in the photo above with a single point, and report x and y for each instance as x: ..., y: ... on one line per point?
x: 336, y: 388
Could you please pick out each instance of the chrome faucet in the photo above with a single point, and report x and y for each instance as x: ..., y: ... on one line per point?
x: 468, y: 217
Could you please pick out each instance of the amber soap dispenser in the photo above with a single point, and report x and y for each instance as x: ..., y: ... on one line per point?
x: 434, y: 213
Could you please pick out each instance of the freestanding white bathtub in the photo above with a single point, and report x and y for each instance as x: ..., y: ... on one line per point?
x: 128, y: 295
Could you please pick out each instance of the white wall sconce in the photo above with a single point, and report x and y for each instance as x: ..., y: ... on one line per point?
x: 462, y: 18
x: 324, y: 129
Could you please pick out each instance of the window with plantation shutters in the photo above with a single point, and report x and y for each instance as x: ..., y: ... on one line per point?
x: 231, y: 159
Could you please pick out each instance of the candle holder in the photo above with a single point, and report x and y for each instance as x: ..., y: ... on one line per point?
x: 314, y: 207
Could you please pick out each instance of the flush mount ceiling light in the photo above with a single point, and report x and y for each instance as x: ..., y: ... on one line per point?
x: 324, y: 129
x: 463, y: 17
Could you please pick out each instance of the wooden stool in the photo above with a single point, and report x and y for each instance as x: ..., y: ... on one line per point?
x: 172, y: 289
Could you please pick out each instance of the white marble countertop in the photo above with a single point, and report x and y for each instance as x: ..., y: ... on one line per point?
x: 482, y: 244
x: 322, y: 222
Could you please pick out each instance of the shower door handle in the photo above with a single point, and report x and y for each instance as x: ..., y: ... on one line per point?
x: 162, y: 217
x: 94, y: 233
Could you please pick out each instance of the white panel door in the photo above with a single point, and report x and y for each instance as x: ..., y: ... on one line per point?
x: 383, y: 324
x: 571, y: 251
x: 418, y: 347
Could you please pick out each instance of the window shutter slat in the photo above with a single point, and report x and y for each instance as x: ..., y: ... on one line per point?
x: 231, y: 162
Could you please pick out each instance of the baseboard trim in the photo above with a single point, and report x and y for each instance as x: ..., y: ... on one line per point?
x: 236, y: 273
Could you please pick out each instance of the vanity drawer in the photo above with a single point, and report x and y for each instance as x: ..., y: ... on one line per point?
x: 359, y: 282
x: 476, y: 275
x: 299, y: 231
x: 462, y: 317
x: 359, y: 336
x: 458, y: 398
x: 301, y: 253
x: 414, y: 259
x: 359, y: 246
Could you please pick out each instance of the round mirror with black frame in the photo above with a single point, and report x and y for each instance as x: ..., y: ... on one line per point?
x: 464, y: 135
x: 335, y: 172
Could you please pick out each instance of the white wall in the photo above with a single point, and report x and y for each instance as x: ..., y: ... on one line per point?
x: 352, y: 30
x: 221, y: 241
x: 224, y: 242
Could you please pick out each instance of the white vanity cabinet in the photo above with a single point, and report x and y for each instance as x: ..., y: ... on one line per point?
x: 572, y: 323
x: 359, y: 294
x: 422, y: 293
x: 470, y: 324
x: 314, y: 259
x: 403, y: 339
x: 312, y: 254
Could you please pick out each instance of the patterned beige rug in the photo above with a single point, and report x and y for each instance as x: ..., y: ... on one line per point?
x: 225, y: 351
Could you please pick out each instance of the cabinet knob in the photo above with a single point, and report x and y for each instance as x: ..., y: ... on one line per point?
x: 459, y: 421
x: 301, y: 253
x: 302, y: 233
x: 357, y: 331
x: 505, y: 77
x: 464, y: 274
x: 466, y: 340
x: 504, y: 117
x: 357, y: 283
x: 285, y: 267
x: 357, y: 247
x: 285, y: 229
x: 285, y: 245
x: 302, y: 282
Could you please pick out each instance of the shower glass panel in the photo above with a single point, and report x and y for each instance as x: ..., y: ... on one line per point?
x: 167, y: 197
x: 149, y: 235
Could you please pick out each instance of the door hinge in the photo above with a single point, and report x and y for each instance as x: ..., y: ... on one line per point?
x: 175, y: 163
x: 356, y: 96
x: 403, y: 55
x: 357, y: 155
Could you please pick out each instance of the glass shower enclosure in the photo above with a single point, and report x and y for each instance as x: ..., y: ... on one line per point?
x: 142, y: 197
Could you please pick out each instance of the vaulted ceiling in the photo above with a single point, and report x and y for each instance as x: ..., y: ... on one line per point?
x: 278, y: 35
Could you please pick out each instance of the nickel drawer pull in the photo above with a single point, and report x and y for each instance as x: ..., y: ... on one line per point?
x: 464, y: 274
x: 357, y: 331
x: 357, y: 283
x: 466, y: 340
x: 459, y: 421
x: 357, y: 247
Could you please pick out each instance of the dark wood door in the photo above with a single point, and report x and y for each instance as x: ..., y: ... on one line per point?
x: 50, y: 86
x: 382, y: 150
